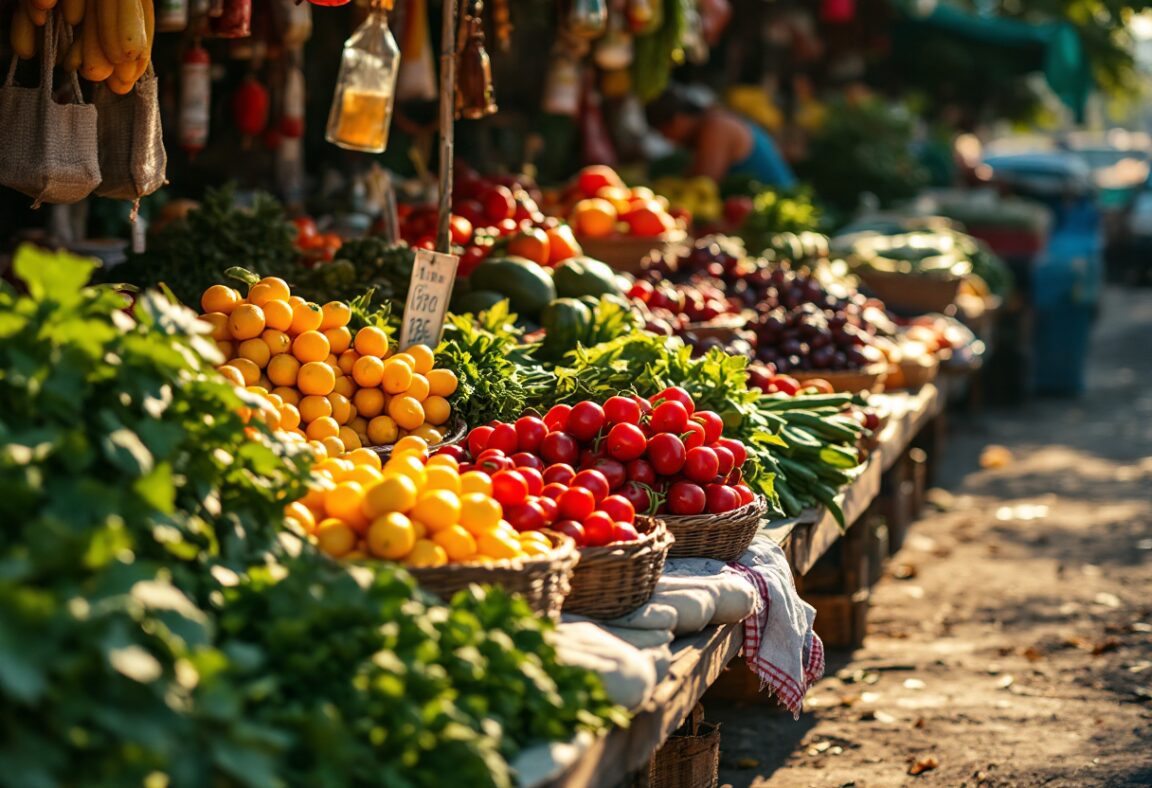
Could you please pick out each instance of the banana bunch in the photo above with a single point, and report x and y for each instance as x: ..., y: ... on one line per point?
x: 114, y: 44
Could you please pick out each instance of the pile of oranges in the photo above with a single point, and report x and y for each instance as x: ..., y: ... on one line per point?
x: 414, y: 509
x: 336, y: 388
x: 601, y: 205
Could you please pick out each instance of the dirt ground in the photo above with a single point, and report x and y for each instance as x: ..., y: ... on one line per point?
x: 1010, y: 642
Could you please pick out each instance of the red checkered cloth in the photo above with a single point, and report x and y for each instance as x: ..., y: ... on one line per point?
x: 779, y: 644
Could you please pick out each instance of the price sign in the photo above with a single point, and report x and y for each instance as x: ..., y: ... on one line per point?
x: 433, y: 275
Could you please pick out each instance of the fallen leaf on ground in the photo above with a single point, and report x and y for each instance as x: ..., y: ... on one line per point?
x: 1104, y: 646
x: 921, y: 765
x: 747, y: 763
x: 1032, y: 654
x: 919, y: 724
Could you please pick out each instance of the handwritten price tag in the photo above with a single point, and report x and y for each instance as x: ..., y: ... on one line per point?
x: 433, y: 275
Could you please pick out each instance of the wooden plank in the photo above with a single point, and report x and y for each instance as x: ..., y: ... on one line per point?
x: 697, y: 661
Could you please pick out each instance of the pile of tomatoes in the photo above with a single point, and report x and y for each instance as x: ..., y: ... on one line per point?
x: 589, y: 469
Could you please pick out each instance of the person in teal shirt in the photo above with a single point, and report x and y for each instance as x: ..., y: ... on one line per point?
x: 722, y: 143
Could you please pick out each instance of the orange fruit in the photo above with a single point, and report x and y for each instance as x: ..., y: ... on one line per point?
x: 396, y: 377
x: 321, y: 428
x: 365, y: 457
x: 382, y: 431
x: 278, y: 315
x: 368, y: 371
x: 394, y: 493
x: 366, y: 475
x: 649, y: 220
x: 418, y: 389
x: 305, y: 317
x: 411, y: 444
x: 246, y: 321
x: 335, y: 314
x: 409, y: 465
x: 391, y: 536
x: 248, y: 370
x: 341, y: 407
x: 227, y: 349
x: 314, y: 407
x: 407, y: 412
x: 498, y: 546
x: 339, y: 338
x: 476, y: 482
x: 220, y: 298
x: 369, y: 402
x: 310, y: 346
x: 619, y: 196
x: 345, y: 385
x: 260, y: 294
x: 423, y: 356
x: 256, y: 351
x: 349, y: 438
x: 316, y: 378
x: 231, y: 374
x: 291, y: 396
x: 594, y: 218
x: 333, y: 445
x: 442, y: 382
x: 426, y: 553
x: 437, y: 411
x: 283, y: 370
x: 347, y: 361
x: 531, y: 244
x: 301, y: 514
x: 278, y: 287
x: 447, y: 460
x: 277, y: 341
x: 335, y: 538
x: 437, y: 509
x: 458, y: 544
x: 562, y: 245
x: 428, y: 433
x: 371, y: 341
x: 289, y: 416
x: 318, y: 487
x: 345, y: 501
x: 406, y: 359
x: 219, y: 322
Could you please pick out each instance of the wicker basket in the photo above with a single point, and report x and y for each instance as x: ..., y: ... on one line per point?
x: 868, y: 379
x: 457, y: 430
x: 689, y: 759
x: 914, y: 293
x: 724, y: 537
x: 544, y: 581
x: 625, y: 252
x: 725, y: 328
x: 612, y: 581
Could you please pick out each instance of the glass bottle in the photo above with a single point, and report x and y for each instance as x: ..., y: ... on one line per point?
x: 588, y: 18
x: 362, y: 106
x: 475, y: 94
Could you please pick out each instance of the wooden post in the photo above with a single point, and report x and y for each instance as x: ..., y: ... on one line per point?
x: 447, y: 116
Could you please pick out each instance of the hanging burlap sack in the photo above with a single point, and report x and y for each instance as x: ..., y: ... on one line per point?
x: 132, y: 156
x: 47, y: 150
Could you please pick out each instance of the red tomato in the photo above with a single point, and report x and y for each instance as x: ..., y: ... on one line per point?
x: 461, y: 229
x: 454, y: 451
x: 713, y: 425
x: 526, y: 459
x: 725, y: 459
x: 625, y: 532
x: 693, y: 435
x: 585, y: 421
x: 560, y: 447
x: 498, y: 204
x: 594, y: 482
x: 559, y: 473
x: 613, y: 471
x: 746, y: 494
x: 553, y: 490
x: 524, y: 516
x: 686, y: 498
x: 618, y: 508
x: 305, y: 231
x: 576, y: 503
x: 675, y: 394
x: 638, y: 495
x: 570, y: 528
x: 492, y: 460
x: 471, y: 210
x: 641, y: 471
x: 504, y: 438
x: 599, y: 529
x: 425, y: 242
x: 506, y: 227
x: 644, y: 405
x: 739, y: 453
x: 530, y: 432
x: 625, y: 441
x: 478, y: 440
x: 548, y: 506
x: 533, y: 478
x: 669, y: 416
x: 622, y: 410
x: 509, y: 488
x: 666, y: 453
x: 721, y: 498
x: 701, y: 464
x: 557, y: 417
